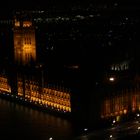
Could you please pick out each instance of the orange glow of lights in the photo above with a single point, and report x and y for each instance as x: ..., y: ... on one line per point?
x: 27, y: 23
x: 116, y: 113
x: 121, y: 112
x: 32, y: 94
x: 124, y: 111
x: 133, y: 109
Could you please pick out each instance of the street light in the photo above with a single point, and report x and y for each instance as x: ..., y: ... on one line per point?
x: 110, y: 136
x: 85, y: 129
x: 111, y: 79
x: 114, y: 121
x: 138, y: 115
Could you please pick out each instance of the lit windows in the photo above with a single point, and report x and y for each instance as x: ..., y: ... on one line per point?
x: 120, y: 67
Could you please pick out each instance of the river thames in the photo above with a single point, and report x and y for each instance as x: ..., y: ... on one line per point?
x: 19, y: 122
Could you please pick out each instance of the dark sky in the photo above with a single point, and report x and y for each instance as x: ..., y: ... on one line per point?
x: 6, y: 5
x: 45, y: 3
x: 32, y: 3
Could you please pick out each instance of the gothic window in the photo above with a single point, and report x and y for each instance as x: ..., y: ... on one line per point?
x: 27, y: 40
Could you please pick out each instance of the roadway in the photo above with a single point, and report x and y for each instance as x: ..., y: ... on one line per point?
x: 121, y: 131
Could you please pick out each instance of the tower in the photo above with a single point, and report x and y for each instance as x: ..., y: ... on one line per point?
x: 24, y: 42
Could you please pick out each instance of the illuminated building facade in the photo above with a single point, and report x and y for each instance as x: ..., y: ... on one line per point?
x: 4, y: 84
x: 121, y: 88
x: 29, y: 88
x: 24, y: 42
x: 46, y: 97
x: 85, y: 97
x: 122, y: 104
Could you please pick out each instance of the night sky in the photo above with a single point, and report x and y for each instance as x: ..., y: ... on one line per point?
x: 33, y: 4
x: 7, y: 6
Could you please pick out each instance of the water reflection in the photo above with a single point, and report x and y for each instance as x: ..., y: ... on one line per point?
x: 20, y: 122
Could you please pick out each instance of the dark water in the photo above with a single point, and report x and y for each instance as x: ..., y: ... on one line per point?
x: 19, y: 122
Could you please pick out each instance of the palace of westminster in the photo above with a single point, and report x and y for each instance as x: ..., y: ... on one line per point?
x: 26, y: 77
x: 27, y: 87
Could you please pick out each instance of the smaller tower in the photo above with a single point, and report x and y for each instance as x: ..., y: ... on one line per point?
x: 24, y: 42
